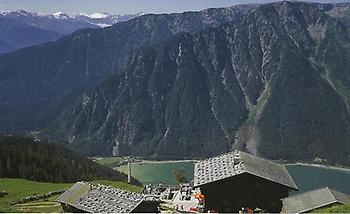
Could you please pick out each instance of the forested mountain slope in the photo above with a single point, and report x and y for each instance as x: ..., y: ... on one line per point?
x: 38, y: 82
x: 275, y: 84
x: 23, y: 157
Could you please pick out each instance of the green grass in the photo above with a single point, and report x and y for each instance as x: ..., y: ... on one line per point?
x: 109, y: 161
x: 20, y: 188
x: 335, y: 209
x: 41, y: 206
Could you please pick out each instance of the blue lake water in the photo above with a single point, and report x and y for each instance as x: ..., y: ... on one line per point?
x: 312, y: 177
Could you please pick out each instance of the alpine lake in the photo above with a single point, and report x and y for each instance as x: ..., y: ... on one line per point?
x: 306, y: 176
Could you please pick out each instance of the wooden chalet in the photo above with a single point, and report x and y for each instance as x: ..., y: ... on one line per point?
x: 239, y: 180
x: 313, y: 200
x: 96, y: 198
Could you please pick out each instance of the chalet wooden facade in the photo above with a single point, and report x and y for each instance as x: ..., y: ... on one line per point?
x: 237, y: 179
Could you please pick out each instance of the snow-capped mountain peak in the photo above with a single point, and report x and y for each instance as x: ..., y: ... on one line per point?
x: 98, y: 15
x: 60, y: 15
x: 24, y: 13
x: 98, y: 19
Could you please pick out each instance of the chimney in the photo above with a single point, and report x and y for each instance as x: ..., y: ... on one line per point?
x: 236, y: 158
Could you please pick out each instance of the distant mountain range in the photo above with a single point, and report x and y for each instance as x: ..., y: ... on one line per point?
x: 270, y: 79
x: 19, y: 29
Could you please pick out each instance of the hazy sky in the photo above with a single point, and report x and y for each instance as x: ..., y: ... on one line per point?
x: 123, y: 6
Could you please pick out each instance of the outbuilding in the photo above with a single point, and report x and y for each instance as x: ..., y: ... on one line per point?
x: 96, y: 198
x: 315, y: 199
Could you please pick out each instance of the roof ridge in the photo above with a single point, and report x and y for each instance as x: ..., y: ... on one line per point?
x: 281, y: 166
x: 271, y: 161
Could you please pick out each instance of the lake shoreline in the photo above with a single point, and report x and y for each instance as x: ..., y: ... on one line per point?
x: 285, y: 163
x: 318, y: 165
x: 166, y: 161
x: 308, y: 176
x: 344, y: 168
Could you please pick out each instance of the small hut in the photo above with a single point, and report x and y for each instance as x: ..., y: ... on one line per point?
x: 239, y: 180
x: 96, y: 198
x: 315, y: 199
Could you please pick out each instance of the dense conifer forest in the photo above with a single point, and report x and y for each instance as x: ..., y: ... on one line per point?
x: 24, y: 157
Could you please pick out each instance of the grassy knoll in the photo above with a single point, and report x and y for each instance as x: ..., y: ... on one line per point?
x: 20, y: 188
x: 335, y: 209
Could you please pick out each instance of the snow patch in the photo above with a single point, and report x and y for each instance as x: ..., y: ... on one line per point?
x: 102, y: 25
x: 23, y: 13
x: 98, y: 15
x: 60, y: 15
x: 3, y: 13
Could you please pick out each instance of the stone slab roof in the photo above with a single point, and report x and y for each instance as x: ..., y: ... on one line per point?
x: 236, y: 163
x: 314, y: 199
x: 96, y: 198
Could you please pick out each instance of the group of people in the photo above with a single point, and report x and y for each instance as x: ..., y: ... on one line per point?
x: 185, y: 191
x: 151, y: 190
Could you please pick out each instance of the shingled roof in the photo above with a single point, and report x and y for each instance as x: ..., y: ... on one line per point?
x: 236, y: 163
x: 314, y: 199
x: 96, y: 198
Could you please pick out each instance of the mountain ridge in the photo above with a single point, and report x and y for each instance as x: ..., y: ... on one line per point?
x: 45, y: 28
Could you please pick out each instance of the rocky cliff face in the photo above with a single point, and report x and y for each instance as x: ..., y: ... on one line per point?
x: 275, y: 84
